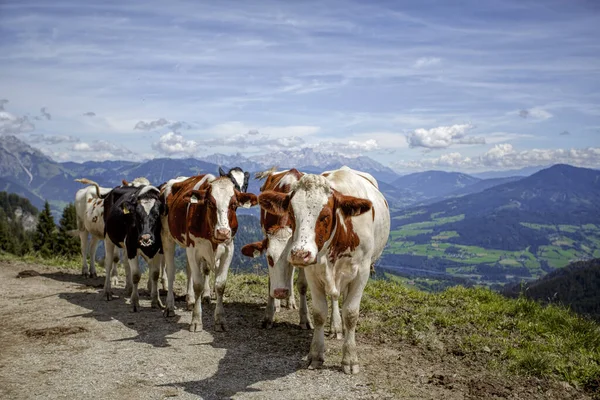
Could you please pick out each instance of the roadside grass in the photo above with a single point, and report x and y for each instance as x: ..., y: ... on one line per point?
x: 516, y: 336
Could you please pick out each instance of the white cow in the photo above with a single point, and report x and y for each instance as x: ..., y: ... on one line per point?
x: 341, y: 223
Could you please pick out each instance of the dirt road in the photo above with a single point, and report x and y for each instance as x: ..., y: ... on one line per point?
x: 58, y: 339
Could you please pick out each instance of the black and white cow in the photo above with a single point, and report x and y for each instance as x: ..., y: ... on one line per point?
x: 132, y: 221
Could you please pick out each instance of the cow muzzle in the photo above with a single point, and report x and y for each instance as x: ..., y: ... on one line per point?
x: 146, y: 240
x: 281, y: 293
x: 223, y: 234
x: 301, y: 257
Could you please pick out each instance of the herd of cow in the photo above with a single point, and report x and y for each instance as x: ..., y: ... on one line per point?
x: 332, y: 227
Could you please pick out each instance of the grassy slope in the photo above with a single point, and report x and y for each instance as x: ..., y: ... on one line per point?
x: 507, y: 336
x: 557, y: 255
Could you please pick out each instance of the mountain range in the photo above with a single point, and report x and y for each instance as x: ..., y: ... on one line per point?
x: 27, y: 171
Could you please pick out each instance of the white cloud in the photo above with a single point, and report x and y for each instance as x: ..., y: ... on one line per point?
x: 11, y: 124
x: 505, y: 156
x: 425, y: 62
x: 442, y: 137
x: 45, y: 113
x: 53, y: 139
x: 173, y: 143
x: 102, y: 150
x: 148, y: 126
x: 535, y: 113
x: 349, y: 148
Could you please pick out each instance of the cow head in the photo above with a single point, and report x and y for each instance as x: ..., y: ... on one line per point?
x: 274, y: 246
x: 315, y: 210
x: 222, y: 199
x: 145, y: 208
x: 238, y: 177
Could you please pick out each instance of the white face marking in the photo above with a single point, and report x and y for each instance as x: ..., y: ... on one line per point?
x: 148, y: 204
x: 277, y: 242
x: 307, y: 205
x: 222, y: 191
x: 238, y: 176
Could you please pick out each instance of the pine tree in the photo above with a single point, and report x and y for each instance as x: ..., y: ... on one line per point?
x: 44, y: 240
x: 67, y: 244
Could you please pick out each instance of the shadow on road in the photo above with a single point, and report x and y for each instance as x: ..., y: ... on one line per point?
x: 150, y: 325
x: 252, y: 354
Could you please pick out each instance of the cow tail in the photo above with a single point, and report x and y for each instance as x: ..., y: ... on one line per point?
x: 89, y: 182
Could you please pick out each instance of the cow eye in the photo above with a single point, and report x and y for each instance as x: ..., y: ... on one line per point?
x: 324, y: 218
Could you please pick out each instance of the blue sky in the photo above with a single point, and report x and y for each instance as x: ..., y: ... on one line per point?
x: 469, y: 85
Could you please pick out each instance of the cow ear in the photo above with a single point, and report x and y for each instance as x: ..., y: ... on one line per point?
x: 352, y: 206
x: 254, y: 250
x: 274, y: 202
x: 198, y: 196
x: 127, y: 207
x: 124, y: 182
x: 246, y: 200
x: 221, y: 172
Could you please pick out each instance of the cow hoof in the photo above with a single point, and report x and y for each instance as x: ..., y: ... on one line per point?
x: 196, y: 327
x: 169, y: 312
x: 336, y: 335
x: 93, y: 275
x: 351, y: 369
x: 220, y: 327
x: 291, y: 305
x: 136, y: 307
x: 315, y: 364
x: 306, y: 325
x: 85, y: 274
x: 190, y: 306
x: 206, y: 299
x: 156, y: 303
x: 267, y: 324
x: 106, y: 295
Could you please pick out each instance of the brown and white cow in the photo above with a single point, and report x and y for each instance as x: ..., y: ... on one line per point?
x: 200, y: 216
x: 340, y: 224
x: 277, y: 231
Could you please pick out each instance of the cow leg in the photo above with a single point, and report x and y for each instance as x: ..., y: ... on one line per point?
x: 135, y: 279
x: 128, y: 281
x: 114, y: 275
x: 198, y: 282
x: 83, y: 236
x: 290, y: 302
x: 153, y: 275
x: 206, y: 292
x: 316, y: 356
x: 163, y: 273
x: 220, y: 282
x: 336, y: 321
x: 277, y: 305
x: 169, y: 257
x: 93, y: 247
x: 109, y: 248
x: 303, y: 310
x: 190, y: 296
x: 350, y: 311
x: 267, y: 322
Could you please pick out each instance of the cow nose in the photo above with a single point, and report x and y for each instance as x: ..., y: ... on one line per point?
x: 281, y: 293
x: 300, y: 257
x: 223, y: 234
x: 145, y: 240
